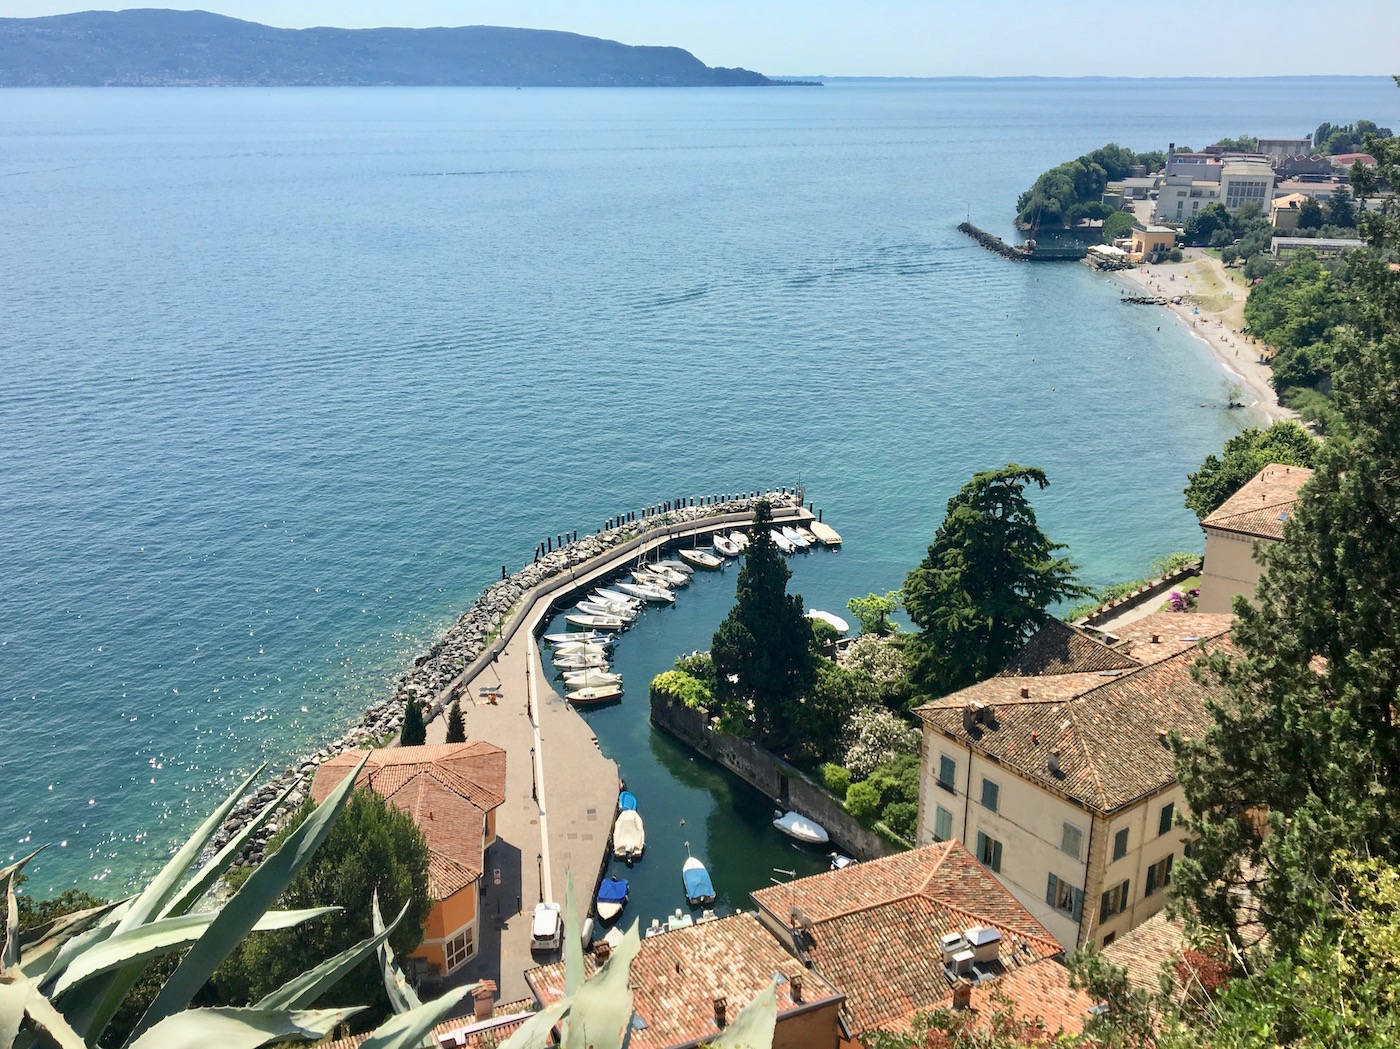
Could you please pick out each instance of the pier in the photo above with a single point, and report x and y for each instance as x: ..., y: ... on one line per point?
x: 1021, y: 253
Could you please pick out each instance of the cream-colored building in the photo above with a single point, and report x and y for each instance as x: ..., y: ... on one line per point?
x: 1245, y: 180
x: 1254, y: 514
x: 1284, y: 211
x: 1234, y: 182
x: 1058, y: 776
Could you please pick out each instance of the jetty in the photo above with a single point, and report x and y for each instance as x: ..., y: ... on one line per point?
x: 1152, y: 300
x: 1028, y: 252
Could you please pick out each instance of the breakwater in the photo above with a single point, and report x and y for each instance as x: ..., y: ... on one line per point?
x: 994, y: 244
x: 482, y: 631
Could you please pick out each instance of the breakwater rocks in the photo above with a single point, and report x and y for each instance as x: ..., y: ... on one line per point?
x: 994, y: 243
x: 432, y: 677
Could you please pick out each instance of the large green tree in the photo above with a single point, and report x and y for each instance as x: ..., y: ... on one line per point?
x: 1303, y: 761
x: 373, y: 847
x: 1245, y: 455
x: 762, y: 652
x: 987, y: 580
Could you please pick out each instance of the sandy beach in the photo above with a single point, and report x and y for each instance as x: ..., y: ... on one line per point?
x: 1205, y: 286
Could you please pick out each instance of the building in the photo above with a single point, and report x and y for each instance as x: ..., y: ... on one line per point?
x: 1244, y: 180
x: 1277, y: 148
x: 1151, y: 240
x: 1345, y: 161
x: 1058, y: 772
x: 1181, y: 196
x: 1318, y: 187
x: 687, y: 986
x: 1254, y: 514
x: 1195, y: 181
x: 452, y: 791
x: 1283, y: 212
x: 919, y: 931
x: 1323, y: 247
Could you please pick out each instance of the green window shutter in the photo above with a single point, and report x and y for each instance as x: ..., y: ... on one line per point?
x: 1050, y: 887
x: 1105, y: 906
x: 942, y: 824
x: 1167, y: 877
x: 982, y: 847
x: 1164, y: 822
x: 1078, y: 897
x: 1120, y: 844
x: 996, y: 856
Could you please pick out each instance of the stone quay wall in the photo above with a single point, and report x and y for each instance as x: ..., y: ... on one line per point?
x: 481, y: 632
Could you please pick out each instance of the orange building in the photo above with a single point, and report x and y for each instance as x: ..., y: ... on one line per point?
x: 452, y: 791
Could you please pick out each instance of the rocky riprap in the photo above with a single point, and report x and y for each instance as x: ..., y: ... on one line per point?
x: 464, y: 641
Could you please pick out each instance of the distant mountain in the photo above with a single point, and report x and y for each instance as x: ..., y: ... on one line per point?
x: 167, y: 48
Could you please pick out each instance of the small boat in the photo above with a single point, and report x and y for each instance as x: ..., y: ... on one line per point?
x: 583, y: 648
x: 826, y: 535
x: 679, y: 920
x: 649, y: 578
x: 790, y: 534
x: 740, y: 540
x: 647, y: 592
x: 626, y: 800
x: 590, y: 694
x: 595, y: 622
x: 591, y: 677
x: 699, y: 890
x: 668, y: 575
x: 781, y: 541
x: 574, y: 637
x: 834, y: 621
x: 725, y: 547
x: 806, y: 535
x: 581, y: 661
x: 796, y: 825
x: 677, y: 566
x: 612, y: 597
x: 590, y: 608
x: 629, y: 836
x: 612, y: 897
x: 701, y: 559
x: 840, y: 862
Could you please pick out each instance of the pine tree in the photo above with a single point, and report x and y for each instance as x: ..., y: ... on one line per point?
x: 762, y: 652
x: 1305, y: 742
x: 456, y: 727
x: 414, y: 733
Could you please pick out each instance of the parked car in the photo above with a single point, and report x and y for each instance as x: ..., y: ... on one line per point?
x: 547, y: 929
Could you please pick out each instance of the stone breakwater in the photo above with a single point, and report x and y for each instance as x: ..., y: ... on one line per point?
x: 431, y: 677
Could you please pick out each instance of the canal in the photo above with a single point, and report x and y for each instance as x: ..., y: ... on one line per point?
x: 684, y: 798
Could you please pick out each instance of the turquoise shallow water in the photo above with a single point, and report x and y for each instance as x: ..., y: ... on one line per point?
x: 289, y: 374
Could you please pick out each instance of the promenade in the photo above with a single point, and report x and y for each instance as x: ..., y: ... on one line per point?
x: 561, y: 792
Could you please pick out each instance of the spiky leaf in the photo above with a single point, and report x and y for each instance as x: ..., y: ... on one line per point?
x: 302, y: 990
x: 407, y: 1030
x: 39, y: 944
x: 536, y: 1032
x: 573, y: 940
x: 49, y: 1022
x: 402, y: 997
x: 13, y: 994
x: 754, y: 1026
x: 602, y: 1008
x: 240, y: 1028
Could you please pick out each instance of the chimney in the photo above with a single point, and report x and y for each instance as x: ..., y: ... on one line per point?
x: 721, y: 1009
x: 1161, y: 735
x: 601, y: 950
x: 1156, y: 639
x: 962, y: 994
x: 795, y: 984
x: 1035, y: 736
x: 1025, y: 692
x: 484, y: 1000
x: 1054, y: 761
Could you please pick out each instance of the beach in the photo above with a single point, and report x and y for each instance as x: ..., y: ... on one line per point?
x: 1205, y: 286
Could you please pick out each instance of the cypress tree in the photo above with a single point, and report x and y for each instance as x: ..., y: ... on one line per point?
x: 414, y: 732
x: 456, y: 727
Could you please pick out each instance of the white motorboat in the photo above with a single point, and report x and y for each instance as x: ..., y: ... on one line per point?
x: 613, y: 597
x: 593, y: 608
x: 575, y: 637
x: 679, y: 920
x: 596, y: 622
x: 593, y: 677
x: 796, y: 825
x: 677, y: 566
x: 647, y: 592
x: 612, y: 897
x: 590, y: 694
x: 581, y: 661
x: 600, y: 647
x: 669, y: 575
x: 724, y: 546
x: 629, y: 836
x: 791, y: 535
x: 806, y: 535
x: 825, y: 534
x: 781, y: 541
x: 739, y: 539
x: 836, y: 622
x: 701, y: 559
x: 649, y: 578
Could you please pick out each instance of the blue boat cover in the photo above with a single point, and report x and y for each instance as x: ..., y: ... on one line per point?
x: 614, y: 890
x: 697, y: 884
x: 626, y: 800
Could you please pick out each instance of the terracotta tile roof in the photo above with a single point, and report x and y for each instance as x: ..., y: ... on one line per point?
x: 675, y: 976
x: 1260, y: 508
x: 1143, y: 950
x: 463, y: 1032
x: 1041, y: 992
x: 874, y: 929
x: 1175, y: 632
x: 1105, y: 730
x: 447, y: 788
x: 1058, y: 648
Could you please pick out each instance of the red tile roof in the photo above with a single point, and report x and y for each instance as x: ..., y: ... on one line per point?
x: 446, y: 787
x: 1261, y: 507
x: 1143, y: 950
x: 874, y: 929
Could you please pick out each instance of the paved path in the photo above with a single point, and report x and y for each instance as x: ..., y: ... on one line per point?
x: 561, y: 792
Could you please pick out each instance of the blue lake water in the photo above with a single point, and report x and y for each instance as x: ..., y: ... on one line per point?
x: 288, y: 375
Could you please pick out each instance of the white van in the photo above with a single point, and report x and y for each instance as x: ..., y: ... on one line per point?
x: 547, y: 930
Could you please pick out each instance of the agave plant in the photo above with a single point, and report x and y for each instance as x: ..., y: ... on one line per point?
x: 62, y: 982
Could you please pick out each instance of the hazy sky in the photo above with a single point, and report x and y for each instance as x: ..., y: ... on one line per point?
x: 910, y: 37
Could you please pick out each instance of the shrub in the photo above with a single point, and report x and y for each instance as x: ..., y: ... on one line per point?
x: 873, y: 736
x: 862, y: 801
x: 836, y: 779
x: 881, y: 667
x: 901, y: 817
x: 680, y: 687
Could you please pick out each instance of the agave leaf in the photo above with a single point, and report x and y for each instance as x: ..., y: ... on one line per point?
x: 39, y: 944
x: 755, y: 1024
x: 535, y: 1033
x: 148, y: 904
x: 238, y: 916
x: 13, y: 995
x: 14, y: 868
x: 49, y: 1021
x: 196, y: 887
x: 9, y: 955
x: 408, y: 1030
x: 301, y: 991
x: 402, y: 997
x: 240, y: 1028
x: 161, y: 937
x: 573, y: 940
x: 602, y: 1007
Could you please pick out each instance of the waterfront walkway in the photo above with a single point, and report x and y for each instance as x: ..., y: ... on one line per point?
x: 561, y: 792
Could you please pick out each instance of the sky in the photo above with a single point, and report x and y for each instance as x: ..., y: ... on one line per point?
x: 908, y: 37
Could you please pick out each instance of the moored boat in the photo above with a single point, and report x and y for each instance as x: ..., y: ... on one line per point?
x: 699, y: 890
x: 626, y: 800
x: 574, y: 637
x: 790, y: 534
x: 592, y: 677
x: 595, y: 622
x: 796, y: 825
x: 739, y: 539
x: 701, y: 559
x: 593, y: 608
x: 629, y: 836
x: 612, y: 897
x: 669, y: 576
x: 805, y: 535
x: 677, y: 566
x: 589, y: 694
x: 826, y: 535
x: 581, y: 661
x: 647, y: 592
x: 613, y: 597
x: 781, y: 541
x: 725, y: 546
x: 679, y: 920
x: 834, y: 621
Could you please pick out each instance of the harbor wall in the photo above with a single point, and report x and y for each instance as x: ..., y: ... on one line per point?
x: 787, y: 786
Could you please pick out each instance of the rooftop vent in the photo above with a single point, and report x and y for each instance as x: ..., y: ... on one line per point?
x: 1054, y: 762
x: 1156, y: 639
x: 986, y: 943
x: 952, y: 943
x: 1025, y: 692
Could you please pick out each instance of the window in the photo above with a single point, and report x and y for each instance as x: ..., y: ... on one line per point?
x: 1071, y: 840
x: 1120, y: 844
x: 989, y: 852
x: 991, y: 794
x: 1109, y: 938
x: 1159, y: 875
x: 942, y: 823
x: 1164, y: 821
x: 1064, y: 897
x: 460, y: 948
x: 1114, y: 901
x: 947, y: 773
